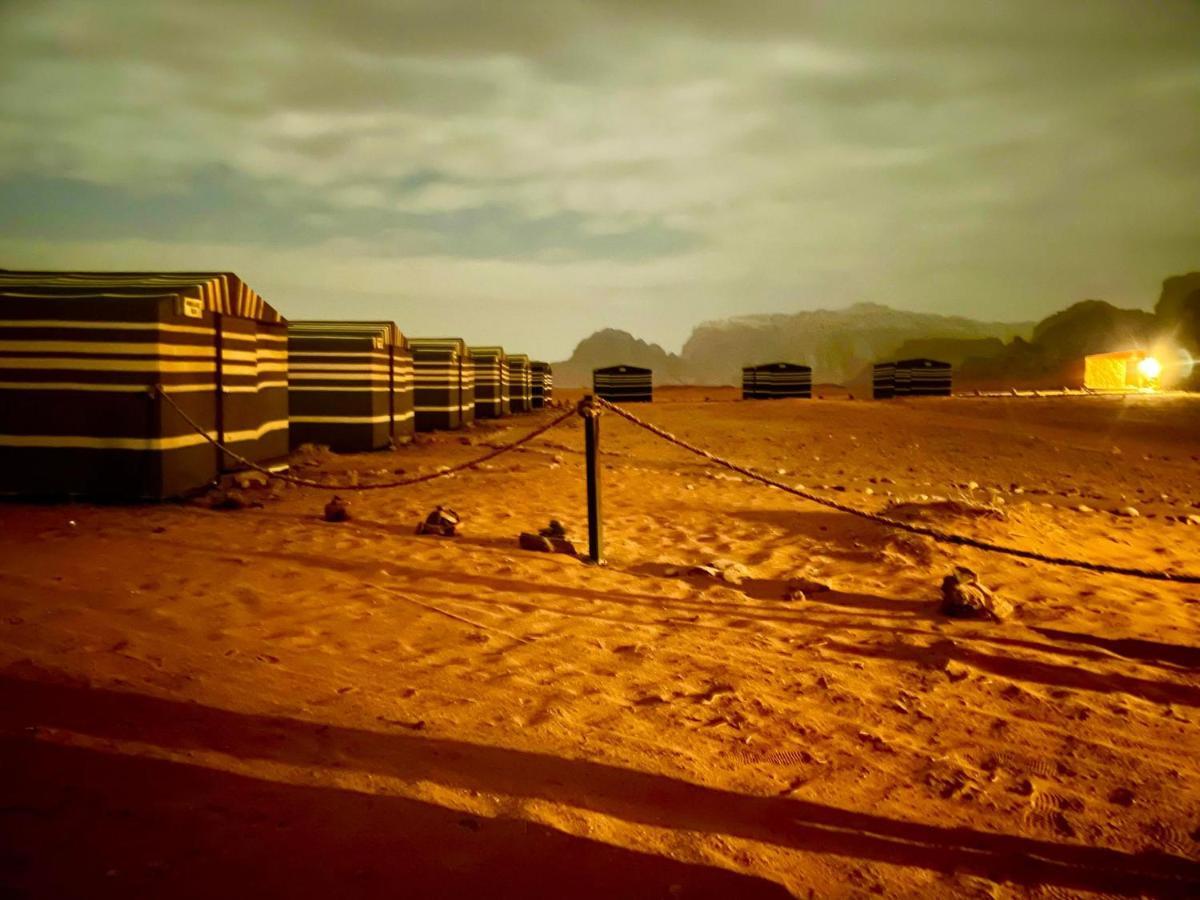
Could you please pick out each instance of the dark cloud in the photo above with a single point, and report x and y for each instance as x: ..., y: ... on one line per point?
x: 218, y: 204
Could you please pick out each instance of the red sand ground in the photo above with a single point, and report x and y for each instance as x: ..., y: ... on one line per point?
x: 197, y: 703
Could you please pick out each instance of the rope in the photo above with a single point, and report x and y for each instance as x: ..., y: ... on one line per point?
x: 937, y: 535
x: 304, y: 482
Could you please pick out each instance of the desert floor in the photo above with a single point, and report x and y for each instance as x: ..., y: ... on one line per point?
x: 255, y: 702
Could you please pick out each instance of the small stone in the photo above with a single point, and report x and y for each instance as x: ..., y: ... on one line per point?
x: 535, y: 542
x: 1127, y: 512
x: 1192, y: 520
x: 227, y: 500
x: 1122, y: 796
x: 734, y: 573
x: 337, y: 510
x: 442, y: 522
x: 554, y: 530
x: 805, y: 585
x: 965, y: 598
x: 1083, y: 508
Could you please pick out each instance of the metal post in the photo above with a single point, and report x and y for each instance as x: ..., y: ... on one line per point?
x: 591, y: 430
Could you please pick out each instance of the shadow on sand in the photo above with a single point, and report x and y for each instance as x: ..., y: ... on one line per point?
x: 78, y: 801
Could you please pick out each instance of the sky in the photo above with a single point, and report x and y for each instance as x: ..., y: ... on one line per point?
x: 525, y: 173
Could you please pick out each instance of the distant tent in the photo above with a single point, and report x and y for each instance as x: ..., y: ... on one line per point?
x: 775, y: 381
x: 883, y: 380
x: 520, y: 383
x: 923, y: 378
x: 542, y: 384
x: 444, y: 383
x: 623, y: 384
x: 491, y: 382
x: 911, y: 378
x: 81, y: 353
x: 1115, y: 371
x: 350, y: 384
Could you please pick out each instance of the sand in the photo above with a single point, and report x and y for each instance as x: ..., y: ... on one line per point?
x: 200, y: 703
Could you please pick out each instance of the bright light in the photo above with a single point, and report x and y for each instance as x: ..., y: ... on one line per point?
x: 1150, y: 368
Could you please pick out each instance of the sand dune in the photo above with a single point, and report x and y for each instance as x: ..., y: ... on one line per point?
x: 197, y: 702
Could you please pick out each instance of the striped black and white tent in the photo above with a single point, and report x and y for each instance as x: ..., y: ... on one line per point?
x: 923, y: 378
x: 772, y: 381
x: 911, y: 378
x: 80, y: 354
x: 520, y: 383
x: 444, y: 379
x: 883, y: 380
x: 350, y: 384
x: 491, y: 382
x: 542, y: 378
x: 623, y: 384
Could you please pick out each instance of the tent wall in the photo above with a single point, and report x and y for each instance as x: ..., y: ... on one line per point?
x: 520, y: 383
x: 80, y: 355
x: 623, y: 384
x: 542, y: 378
x: 911, y: 378
x: 923, y: 378
x: 883, y: 380
x: 749, y: 383
x: 776, y: 381
x: 345, y: 379
x: 444, y: 379
x: 491, y: 382
x: 1113, y: 371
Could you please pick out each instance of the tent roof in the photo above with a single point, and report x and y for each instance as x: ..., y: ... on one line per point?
x: 617, y: 370
x: 349, y: 328
x: 778, y: 367
x: 1118, y: 354
x: 222, y: 292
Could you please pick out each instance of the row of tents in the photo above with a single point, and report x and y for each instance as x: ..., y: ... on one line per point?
x: 82, y: 356
x: 772, y: 381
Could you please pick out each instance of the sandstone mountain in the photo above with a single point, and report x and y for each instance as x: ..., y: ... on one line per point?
x: 836, y: 343
x: 841, y: 344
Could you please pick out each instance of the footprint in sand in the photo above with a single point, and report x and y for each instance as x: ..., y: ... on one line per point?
x: 1048, y: 811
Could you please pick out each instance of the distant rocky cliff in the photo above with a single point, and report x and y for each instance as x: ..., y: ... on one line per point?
x: 836, y: 343
x: 841, y: 344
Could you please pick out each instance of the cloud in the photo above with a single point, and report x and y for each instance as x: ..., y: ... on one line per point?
x: 647, y: 161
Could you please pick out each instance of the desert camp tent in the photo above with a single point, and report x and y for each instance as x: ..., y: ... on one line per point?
x: 491, y: 382
x: 542, y: 379
x: 776, y: 380
x: 923, y: 378
x: 444, y: 380
x: 623, y: 384
x: 883, y: 380
x: 520, y: 383
x: 1115, y: 371
x: 81, y: 354
x: 350, y: 384
x: 911, y: 378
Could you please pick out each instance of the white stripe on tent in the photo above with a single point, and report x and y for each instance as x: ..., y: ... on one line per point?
x: 58, y: 441
x: 356, y: 420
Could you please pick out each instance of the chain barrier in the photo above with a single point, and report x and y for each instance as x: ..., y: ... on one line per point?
x: 405, y: 482
x: 944, y: 537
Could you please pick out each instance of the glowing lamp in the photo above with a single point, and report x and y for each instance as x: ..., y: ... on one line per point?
x: 1150, y: 368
